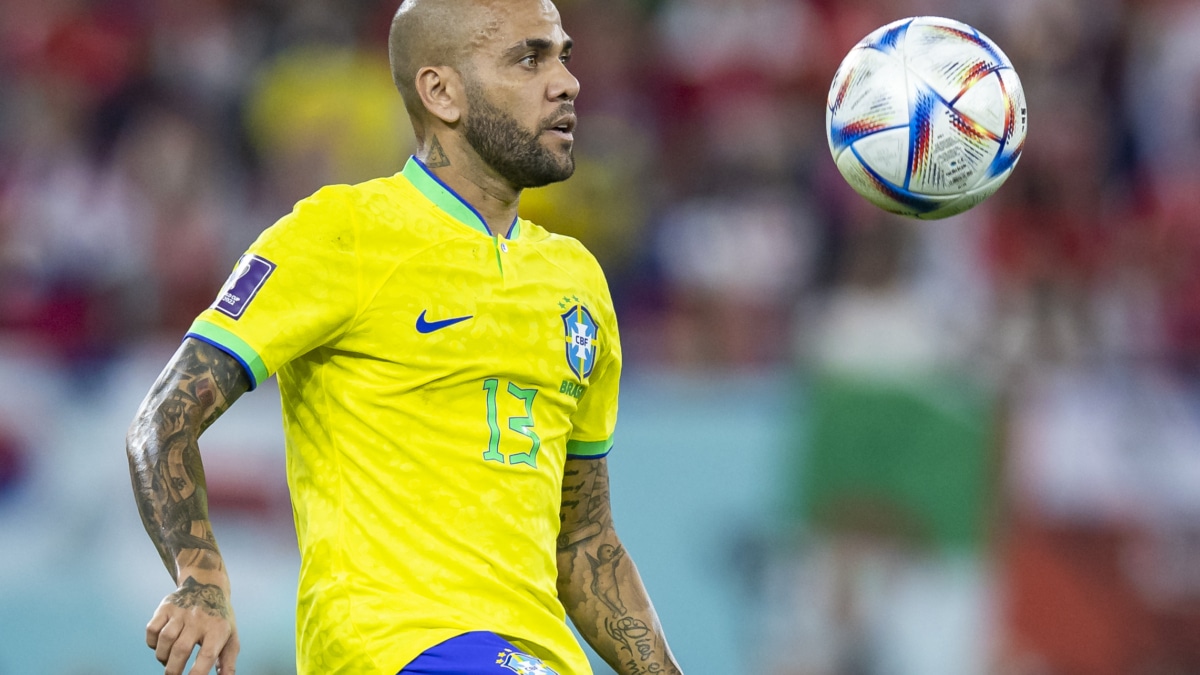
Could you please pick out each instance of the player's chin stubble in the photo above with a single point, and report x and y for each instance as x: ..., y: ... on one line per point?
x: 515, y: 153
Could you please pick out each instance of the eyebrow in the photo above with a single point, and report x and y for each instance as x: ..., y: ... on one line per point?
x: 540, y: 44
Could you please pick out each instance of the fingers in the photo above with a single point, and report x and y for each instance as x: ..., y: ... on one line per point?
x: 227, y: 660
x: 167, y: 637
x: 155, y: 627
x: 174, y: 634
x: 216, y: 647
x: 179, y: 652
x: 175, y: 647
x: 207, y: 657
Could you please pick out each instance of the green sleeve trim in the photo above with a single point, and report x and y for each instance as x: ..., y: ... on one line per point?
x: 589, y: 449
x: 235, y: 346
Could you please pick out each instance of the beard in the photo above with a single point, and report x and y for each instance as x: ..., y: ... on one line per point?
x: 512, y: 151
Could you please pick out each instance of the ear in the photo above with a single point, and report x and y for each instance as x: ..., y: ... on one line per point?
x: 441, y: 91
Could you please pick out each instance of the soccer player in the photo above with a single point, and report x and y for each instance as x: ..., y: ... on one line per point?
x: 448, y: 373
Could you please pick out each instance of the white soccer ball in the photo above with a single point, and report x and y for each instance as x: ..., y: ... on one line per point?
x: 926, y: 117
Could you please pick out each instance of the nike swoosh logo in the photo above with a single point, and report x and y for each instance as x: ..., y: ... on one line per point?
x: 424, y: 326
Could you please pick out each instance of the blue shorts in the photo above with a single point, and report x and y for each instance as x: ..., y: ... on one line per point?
x: 477, y: 653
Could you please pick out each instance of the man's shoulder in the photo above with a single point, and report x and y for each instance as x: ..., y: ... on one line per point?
x: 388, y: 190
x: 563, y: 250
x: 374, y: 206
x: 560, y: 243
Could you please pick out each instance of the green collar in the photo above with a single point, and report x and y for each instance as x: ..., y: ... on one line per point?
x: 448, y: 200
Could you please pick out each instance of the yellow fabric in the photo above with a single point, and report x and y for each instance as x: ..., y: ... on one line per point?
x: 410, y: 529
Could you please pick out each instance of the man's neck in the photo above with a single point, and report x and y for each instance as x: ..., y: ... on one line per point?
x: 494, y: 199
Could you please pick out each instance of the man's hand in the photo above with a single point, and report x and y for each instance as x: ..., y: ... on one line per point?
x: 195, y: 614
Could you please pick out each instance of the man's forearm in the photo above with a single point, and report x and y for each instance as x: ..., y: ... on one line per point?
x: 168, y: 481
x: 164, y: 458
x: 603, y: 594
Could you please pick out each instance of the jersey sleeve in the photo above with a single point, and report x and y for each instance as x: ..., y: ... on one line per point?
x: 595, y: 419
x: 293, y: 290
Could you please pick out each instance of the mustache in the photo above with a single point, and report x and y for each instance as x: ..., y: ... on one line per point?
x: 559, y: 112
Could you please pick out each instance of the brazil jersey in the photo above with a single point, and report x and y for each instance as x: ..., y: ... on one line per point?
x: 434, y: 381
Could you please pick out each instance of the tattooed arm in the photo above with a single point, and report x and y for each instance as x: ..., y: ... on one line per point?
x: 198, y: 384
x: 598, y: 583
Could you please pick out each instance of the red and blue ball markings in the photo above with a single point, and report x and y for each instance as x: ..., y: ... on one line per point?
x: 1008, y: 155
x: 840, y: 98
x: 913, y: 201
x: 968, y: 74
x: 889, y: 41
x: 974, y: 38
x: 845, y: 134
x: 920, y: 135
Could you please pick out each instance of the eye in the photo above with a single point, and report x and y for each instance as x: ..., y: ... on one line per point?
x: 530, y: 60
x: 565, y: 58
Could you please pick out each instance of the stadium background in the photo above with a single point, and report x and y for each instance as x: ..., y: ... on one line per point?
x: 849, y: 444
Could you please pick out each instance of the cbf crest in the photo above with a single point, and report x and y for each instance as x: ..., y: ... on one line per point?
x: 581, y: 340
x: 523, y: 664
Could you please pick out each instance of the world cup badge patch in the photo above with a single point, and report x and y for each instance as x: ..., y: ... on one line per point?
x: 523, y: 664
x: 245, y: 282
x: 581, y: 340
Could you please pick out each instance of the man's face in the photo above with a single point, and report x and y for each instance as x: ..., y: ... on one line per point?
x: 520, y: 115
x: 525, y: 157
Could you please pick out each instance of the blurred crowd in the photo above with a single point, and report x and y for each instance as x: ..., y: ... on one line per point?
x: 1049, y: 338
x: 146, y: 143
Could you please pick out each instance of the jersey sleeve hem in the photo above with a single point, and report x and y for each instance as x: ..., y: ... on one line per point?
x: 233, y: 345
x: 589, y: 449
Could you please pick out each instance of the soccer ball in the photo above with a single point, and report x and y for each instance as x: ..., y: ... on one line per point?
x: 926, y: 117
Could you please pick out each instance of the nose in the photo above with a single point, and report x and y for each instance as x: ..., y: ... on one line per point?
x: 564, y: 86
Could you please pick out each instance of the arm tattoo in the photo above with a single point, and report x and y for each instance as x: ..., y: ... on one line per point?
x: 208, y: 597
x: 604, y: 577
x: 583, y: 507
x: 199, y: 384
x: 437, y: 157
x: 597, y: 582
x: 637, y: 640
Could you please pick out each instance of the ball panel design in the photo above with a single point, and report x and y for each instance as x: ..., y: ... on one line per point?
x: 869, y: 185
x: 887, y: 39
x: 886, y: 153
x: 948, y: 62
x: 978, y: 104
x: 968, y: 200
x: 940, y: 36
x: 883, y: 193
x: 868, y: 95
x: 926, y: 117
x: 948, y: 150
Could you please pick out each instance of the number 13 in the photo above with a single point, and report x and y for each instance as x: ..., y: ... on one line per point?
x: 521, y: 424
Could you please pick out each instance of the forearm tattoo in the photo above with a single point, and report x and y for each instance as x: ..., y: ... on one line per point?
x: 599, y: 585
x: 199, y: 384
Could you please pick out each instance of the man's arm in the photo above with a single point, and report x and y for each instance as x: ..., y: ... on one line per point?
x: 197, y: 385
x: 599, y: 584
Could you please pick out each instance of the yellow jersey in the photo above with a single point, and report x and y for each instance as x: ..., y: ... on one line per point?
x: 434, y: 378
